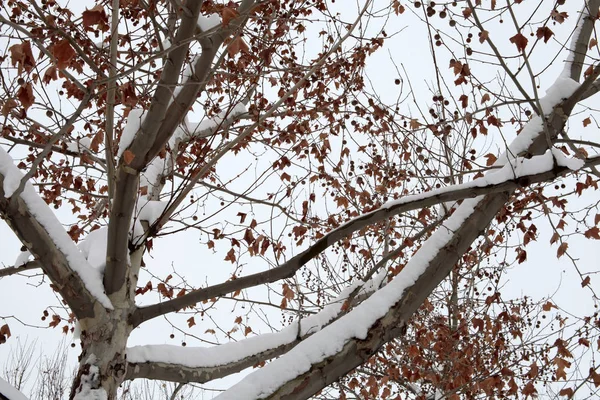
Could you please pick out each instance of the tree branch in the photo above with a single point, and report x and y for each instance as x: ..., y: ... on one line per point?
x: 288, y: 269
x: 15, y: 270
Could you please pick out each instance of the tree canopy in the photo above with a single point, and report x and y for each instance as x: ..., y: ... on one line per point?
x: 337, y: 198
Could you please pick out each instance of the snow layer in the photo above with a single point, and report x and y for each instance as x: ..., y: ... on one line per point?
x: 91, y: 277
x: 357, y: 323
x: 23, y: 258
x: 93, y: 248
x: 86, y: 390
x: 207, y: 23
x: 235, y: 351
x: 561, y: 89
x: 8, y: 391
x: 80, y: 145
x: 133, y: 125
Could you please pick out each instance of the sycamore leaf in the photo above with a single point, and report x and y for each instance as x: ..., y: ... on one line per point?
x: 414, y: 124
x: 586, y: 122
x: 529, y: 390
x: 22, y: 57
x: 483, y: 36
x: 544, y: 33
x: 593, y: 233
x: 230, y: 256
x: 593, y: 42
x: 491, y: 159
x: 562, y: 249
x: 398, y: 8
x: 95, y: 16
x: 50, y: 74
x: 236, y: 46
x: 5, y: 330
x: 25, y: 95
x: 559, y: 16
x: 566, y: 392
x: 64, y: 53
x: 227, y: 14
x: 8, y: 106
x: 548, y: 306
x: 191, y: 322
x: 485, y: 97
x: 585, y: 281
x: 128, y: 156
x: 520, y: 41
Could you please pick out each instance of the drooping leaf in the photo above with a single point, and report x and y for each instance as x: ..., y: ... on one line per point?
x: 520, y: 41
x: 63, y: 52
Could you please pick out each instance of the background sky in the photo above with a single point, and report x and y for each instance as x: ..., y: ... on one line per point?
x: 540, y: 276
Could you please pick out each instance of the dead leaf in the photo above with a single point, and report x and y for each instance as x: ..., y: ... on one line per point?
x: 544, y: 33
x: 491, y: 159
x: 25, y: 95
x: 586, y: 122
x: 95, y: 16
x: 483, y: 36
x: 485, y: 97
x: 559, y: 16
x: 51, y: 74
x: 22, y: 57
x: 593, y: 42
x: 128, y: 156
x: 5, y: 330
x: 8, y: 106
x: 63, y: 52
x: 593, y: 233
x: 562, y: 249
x: 228, y: 14
x: 236, y: 46
x: 520, y: 41
x: 585, y: 281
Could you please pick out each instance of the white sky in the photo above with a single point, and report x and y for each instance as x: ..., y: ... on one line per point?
x: 539, y: 277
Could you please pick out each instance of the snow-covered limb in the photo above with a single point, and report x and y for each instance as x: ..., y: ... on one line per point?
x: 580, y: 39
x: 351, y: 340
x: 203, y: 364
x: 37, y: 226
x: 162, y: 119
x: 21, y: 268
x: 519, y: 172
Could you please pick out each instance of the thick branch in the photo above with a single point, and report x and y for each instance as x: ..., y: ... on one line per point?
x: 579, y: 47
x: 288, y: 269
x: 53, y: 261
x: 127, y: 175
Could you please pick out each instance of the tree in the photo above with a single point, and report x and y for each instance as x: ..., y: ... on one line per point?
x: 367, y: 221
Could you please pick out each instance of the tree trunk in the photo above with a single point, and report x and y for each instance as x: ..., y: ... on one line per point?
x: 102, y: 363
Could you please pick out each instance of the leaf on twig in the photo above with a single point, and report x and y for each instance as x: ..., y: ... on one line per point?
x: 544, y: 33
x: 520, y: 41
x: 63, y: 52
x: 128, y: 156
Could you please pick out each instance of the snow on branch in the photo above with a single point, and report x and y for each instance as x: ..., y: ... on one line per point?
x: 339, y: 347
x: 34, y: 206
x: 511, y: 176
x: 208, y: 363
